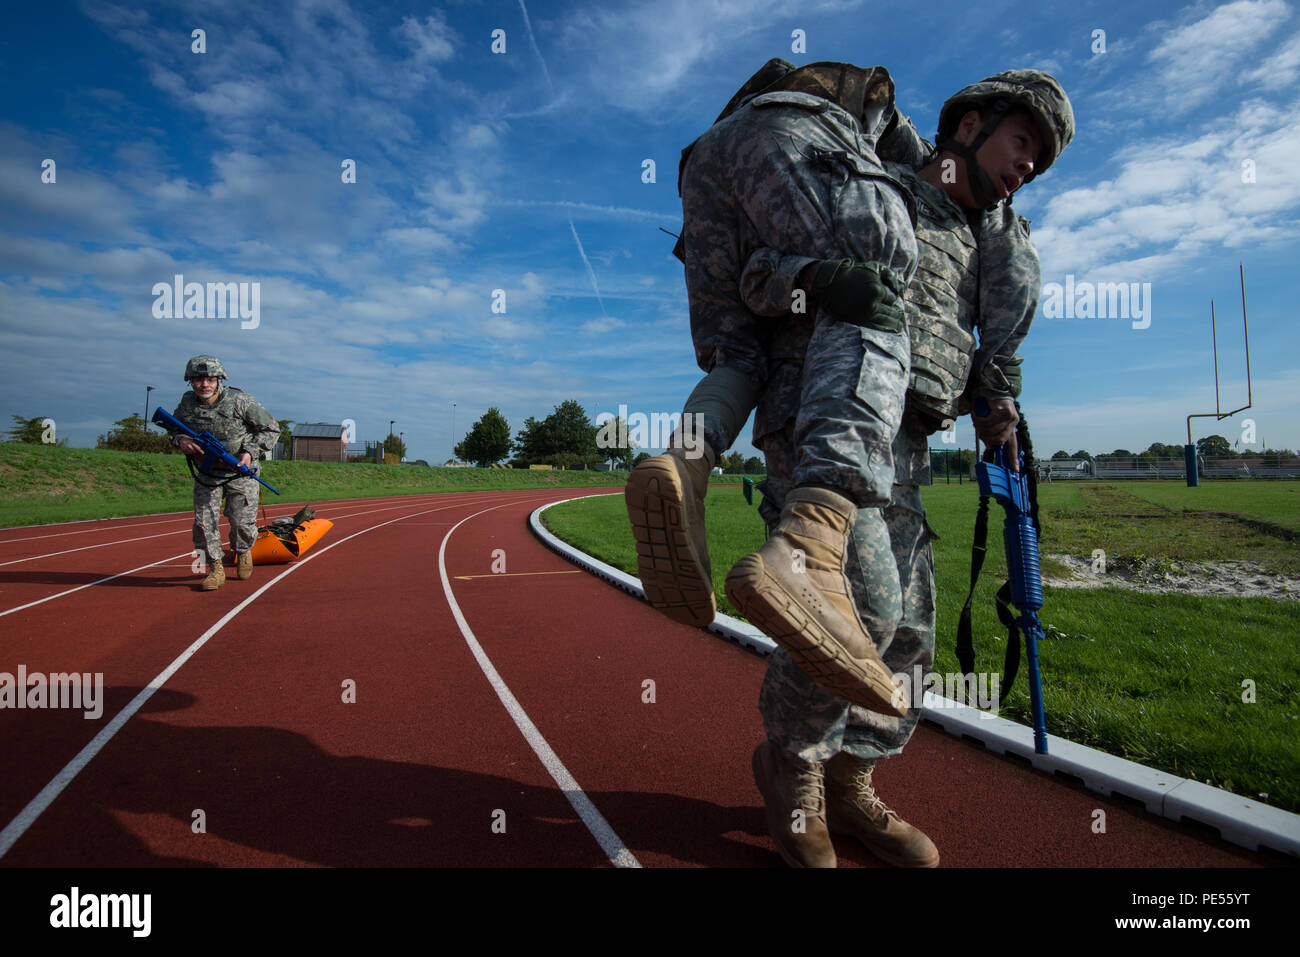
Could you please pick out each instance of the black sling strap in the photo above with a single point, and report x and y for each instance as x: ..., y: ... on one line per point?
x: 210, y: 480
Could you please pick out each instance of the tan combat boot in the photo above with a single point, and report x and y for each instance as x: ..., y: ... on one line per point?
x: 665, y: 502
x: 791, y: 785
x: 216, y: 577
x: 853, y: 807
x: 794, y: 589
x: 245, y: 566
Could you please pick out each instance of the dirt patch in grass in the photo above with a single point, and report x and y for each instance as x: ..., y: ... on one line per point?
x: 1224, y: 579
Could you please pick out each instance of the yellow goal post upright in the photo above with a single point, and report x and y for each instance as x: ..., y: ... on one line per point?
x: 1189, y: 450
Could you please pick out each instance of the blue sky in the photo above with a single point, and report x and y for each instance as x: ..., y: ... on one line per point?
x: 523, y: 171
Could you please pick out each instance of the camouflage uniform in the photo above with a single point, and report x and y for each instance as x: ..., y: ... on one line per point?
x: 242, y: 425
x: 960, y: 274
x: 797, y: 172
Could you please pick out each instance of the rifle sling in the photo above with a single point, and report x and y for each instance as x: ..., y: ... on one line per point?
x: 215, y: 481
x: 965, y: 644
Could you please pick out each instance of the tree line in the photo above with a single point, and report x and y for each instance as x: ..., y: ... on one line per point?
x: 1210, y: 447
x: 566, y: 438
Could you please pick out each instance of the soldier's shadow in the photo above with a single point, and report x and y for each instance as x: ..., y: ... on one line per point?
x: 275, y: 792
x: 73, y: 579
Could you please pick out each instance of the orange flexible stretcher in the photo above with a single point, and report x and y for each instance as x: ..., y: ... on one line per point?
x: 286, y: 539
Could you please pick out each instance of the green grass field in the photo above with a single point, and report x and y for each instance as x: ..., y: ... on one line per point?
x: 1155, y: 678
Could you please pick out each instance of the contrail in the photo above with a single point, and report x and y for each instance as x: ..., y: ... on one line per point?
x: 586, y: 262
x: 592, y: 208
x: 533, y: 43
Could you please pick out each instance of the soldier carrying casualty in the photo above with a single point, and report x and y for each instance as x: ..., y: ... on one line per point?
x: 781, y: 196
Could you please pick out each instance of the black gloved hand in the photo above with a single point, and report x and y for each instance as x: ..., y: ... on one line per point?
x: 864, y: 294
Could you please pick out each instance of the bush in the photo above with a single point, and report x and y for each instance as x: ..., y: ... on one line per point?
x: 132, y: 435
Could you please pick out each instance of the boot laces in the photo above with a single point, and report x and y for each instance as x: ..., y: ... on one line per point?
x: 809, y: 787
x: 865, y: 796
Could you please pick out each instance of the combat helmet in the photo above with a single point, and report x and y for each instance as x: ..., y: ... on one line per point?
x: 205, y: 366
x: 1033, y: 90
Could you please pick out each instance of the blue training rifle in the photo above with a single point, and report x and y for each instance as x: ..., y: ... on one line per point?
x: 213, y: 450
x: 1011, y: 490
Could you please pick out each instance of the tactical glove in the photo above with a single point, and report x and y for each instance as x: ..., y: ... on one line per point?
x: 861, y: 293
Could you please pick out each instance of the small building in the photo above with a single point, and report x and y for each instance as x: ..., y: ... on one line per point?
x: 319, y: 442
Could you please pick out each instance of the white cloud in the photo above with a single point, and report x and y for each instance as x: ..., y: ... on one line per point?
x: 601, y: 325
x: 432, y: 40
x: 666, y: 41
x: 235, y: 98
x: 454, y: 206
x: 420, y: 239
x: 1196, y: 61
x: 1281, y: 71
x: 1175, y: 199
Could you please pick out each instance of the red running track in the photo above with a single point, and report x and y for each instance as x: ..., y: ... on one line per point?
x: 404, y: 609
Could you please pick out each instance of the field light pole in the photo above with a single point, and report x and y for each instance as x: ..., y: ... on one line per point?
x: 453, y: 431
x: 147, y: 390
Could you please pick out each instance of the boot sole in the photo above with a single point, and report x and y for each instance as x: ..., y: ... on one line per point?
x: 763, y: 599
x: 670, y: 569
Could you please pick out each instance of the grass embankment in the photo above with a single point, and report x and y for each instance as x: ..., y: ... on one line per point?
x: 50, y: 484
x: 1157, y: 679
x: 40, y: 483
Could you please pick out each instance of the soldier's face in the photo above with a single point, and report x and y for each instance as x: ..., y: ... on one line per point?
x: 205, y: 387
x: 1008, y: 155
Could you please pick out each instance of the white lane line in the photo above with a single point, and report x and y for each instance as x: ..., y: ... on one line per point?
x: 186, y: 518
x: 90, y: 531
x: 28, y: 815
x: 41, y: 601
x: 159, y: 562
x: 127, y: 541
x: 83, y: 548
x: 86, y: 521
x: 188, y: 515
x: 609, y: 841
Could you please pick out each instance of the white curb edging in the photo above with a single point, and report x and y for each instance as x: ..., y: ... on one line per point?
x: 1238, y: 819
x: 739, y: 631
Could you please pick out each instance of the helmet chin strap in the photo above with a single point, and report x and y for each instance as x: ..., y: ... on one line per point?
x: 981, y: 187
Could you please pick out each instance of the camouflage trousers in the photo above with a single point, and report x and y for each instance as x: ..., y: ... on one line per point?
x: 793, y: 173
x: 891, y: 571
x: 241, y: 509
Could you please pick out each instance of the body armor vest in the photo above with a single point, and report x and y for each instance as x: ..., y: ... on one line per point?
x: 942, y: 304
x: 228, y: 419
